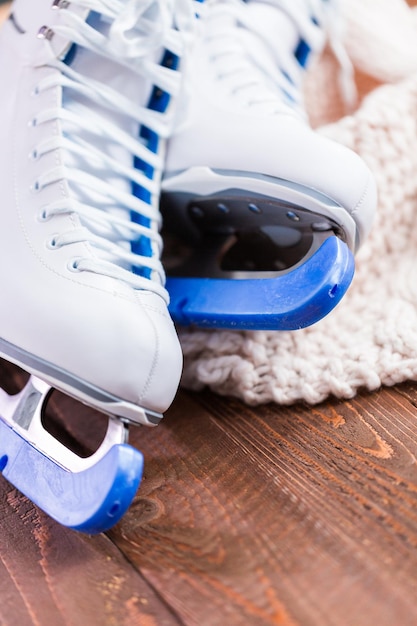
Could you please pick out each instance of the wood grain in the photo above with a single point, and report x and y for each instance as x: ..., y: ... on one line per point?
x: 280, y: 516
x: 50, y: 575
x: 290, y: 516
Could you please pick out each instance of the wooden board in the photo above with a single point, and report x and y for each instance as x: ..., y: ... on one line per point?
x: 262, y: 515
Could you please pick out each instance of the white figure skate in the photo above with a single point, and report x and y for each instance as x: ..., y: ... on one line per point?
x: 267, y: 213
x: 86, y: 106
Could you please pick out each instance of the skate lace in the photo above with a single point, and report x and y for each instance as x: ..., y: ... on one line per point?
x: 120, y: 227
x: 311, y: 16
x: 253, y: 76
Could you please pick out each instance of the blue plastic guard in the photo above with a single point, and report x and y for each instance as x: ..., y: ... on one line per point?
x: 288, y: 301
x: 91, y: 500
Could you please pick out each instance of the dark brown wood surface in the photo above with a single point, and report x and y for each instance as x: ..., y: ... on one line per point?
x: 268, y: 515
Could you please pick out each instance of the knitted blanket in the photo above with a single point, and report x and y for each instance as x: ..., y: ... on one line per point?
x: 370, y: 339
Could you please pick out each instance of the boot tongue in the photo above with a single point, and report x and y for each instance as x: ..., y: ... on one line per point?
x: 104, y: 70
x: 268, y: 39
x: 288, y: 25
x: 278, y: 30
x: 128, y: 84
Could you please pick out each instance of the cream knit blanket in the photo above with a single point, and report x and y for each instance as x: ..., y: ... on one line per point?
x: 370, y: 339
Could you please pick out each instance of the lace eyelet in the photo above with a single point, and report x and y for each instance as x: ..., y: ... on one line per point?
x: 35, y: 91
x: 73, y: 265
x: 33, y: 122
x: 60, y: 4
x: 34, y: 155
x: 43, y: 216
x: 36, y: 186
x: 52, y: 243
x: 45, y: 32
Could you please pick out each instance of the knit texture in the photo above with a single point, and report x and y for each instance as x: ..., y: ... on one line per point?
x: 370, y: 339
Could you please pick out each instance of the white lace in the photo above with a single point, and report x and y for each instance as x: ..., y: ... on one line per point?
x: 255, y: 76
x: 138, y: 29
x: 328, y: 15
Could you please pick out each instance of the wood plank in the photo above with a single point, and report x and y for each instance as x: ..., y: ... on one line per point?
x: 280, y: 516
x: 266, y: 515
x: 51, y: 575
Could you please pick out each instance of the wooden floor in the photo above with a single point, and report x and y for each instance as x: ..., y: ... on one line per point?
x: 268, y: 516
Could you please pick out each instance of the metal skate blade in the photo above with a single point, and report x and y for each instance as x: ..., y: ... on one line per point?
x: 240, y: 260
x: 284, y: 301
x: 78, y: 388
x: 88, y: 494
x: 23, y: 412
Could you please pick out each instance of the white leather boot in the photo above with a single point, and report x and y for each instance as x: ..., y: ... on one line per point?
x: 255, y: 195
x: 85, y: 110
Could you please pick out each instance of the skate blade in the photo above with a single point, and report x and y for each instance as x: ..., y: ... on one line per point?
x: 242, y: 261
x: 86, y: 494
x: 290, y: 301
x: 77, y: 388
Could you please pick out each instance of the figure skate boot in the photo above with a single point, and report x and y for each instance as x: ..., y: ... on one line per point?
x: 86, y: 108
x: 261, y: 214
